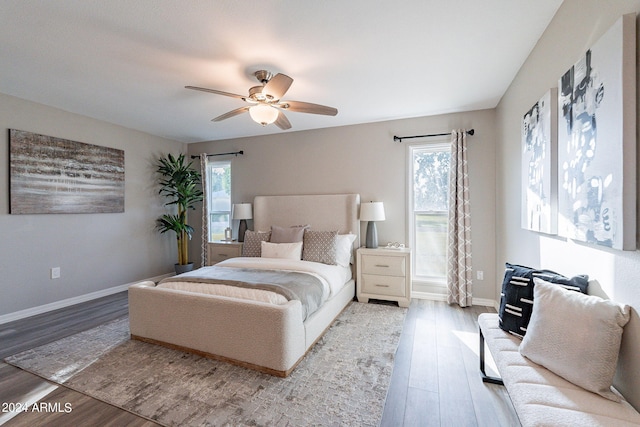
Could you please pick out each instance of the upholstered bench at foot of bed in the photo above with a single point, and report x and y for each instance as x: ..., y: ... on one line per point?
x: 220, y: 327
x: 266, y: 337
x: 540, y: 397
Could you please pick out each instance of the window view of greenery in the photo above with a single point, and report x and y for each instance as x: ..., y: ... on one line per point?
x: 219, y: 191
x: 430, y: 209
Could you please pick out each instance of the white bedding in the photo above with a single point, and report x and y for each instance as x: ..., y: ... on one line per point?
x: 333, y: 278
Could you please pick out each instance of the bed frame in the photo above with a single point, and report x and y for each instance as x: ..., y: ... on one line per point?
x: 266, y: 337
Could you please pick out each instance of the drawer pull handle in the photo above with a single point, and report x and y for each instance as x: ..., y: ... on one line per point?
x: 382, y: 265
x: 382, y: 286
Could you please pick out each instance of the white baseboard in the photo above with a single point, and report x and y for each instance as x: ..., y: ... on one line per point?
x: 17, y: 315
x: 484, y: 302
x: 443, y: 297
x: 429, y: 295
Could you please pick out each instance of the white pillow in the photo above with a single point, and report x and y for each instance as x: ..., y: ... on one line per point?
x: 576, y: 336
x: 281, y: 250
x: 344, y: 249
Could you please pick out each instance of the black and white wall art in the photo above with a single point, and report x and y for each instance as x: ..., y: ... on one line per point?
x: 54, y: 175
x: 539, y: 175
x: 596, y: 142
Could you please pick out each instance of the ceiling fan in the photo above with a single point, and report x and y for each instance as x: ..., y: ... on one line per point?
x: 265, y: 102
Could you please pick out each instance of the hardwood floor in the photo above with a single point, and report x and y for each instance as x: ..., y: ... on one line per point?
x: 435, y: 382
x: 20, y: 386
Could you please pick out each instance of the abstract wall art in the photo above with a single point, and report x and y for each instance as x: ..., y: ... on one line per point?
x: 596, y: 142
x: 539, y: 173
x: 53, y: 175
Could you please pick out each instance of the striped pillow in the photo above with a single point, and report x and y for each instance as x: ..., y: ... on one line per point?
x: 516, y: 302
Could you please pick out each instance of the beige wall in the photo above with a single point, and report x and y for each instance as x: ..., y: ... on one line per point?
x: 576, y: 26
x: 364, y: 159
x: 94, y: 251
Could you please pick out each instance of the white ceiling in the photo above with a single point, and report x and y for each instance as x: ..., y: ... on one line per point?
x: 127, y: 61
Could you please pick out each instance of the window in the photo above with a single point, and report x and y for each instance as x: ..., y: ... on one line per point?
x: 428, y: 211
x: 219, y: 192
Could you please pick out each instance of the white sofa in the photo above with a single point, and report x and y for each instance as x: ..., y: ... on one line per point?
x: 540, y: 397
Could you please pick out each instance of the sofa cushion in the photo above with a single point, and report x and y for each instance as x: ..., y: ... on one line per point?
x: 542, y: 398
x: 517, y: 297
x: 576, y: 336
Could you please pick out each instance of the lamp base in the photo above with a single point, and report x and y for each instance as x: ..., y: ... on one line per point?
x: 242, y: 228
x: 372, y: 235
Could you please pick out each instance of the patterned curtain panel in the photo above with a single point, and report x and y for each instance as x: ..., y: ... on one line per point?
x: 459, y: 273
x: 204, y: 161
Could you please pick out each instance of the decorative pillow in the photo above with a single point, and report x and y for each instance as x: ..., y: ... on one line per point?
x: 576, y: 336
x: 252, y: 241
x: 344, y: 249
x: 282, y: 250
x: 287, y: 234
x: 516, y: 302
x: 320, y: 246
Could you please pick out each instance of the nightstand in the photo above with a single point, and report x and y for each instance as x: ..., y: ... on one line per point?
x: 384, y: 274
x: 221, y: 250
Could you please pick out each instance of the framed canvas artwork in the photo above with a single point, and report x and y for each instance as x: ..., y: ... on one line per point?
x: 54, y: 175
x: 596, y: 142
x: 539, y: 175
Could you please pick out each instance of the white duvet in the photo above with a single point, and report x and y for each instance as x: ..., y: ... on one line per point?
x: 333, y: 278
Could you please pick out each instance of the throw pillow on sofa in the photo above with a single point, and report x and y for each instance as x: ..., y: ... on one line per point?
x: 576, y: 336
x: 516, y: 302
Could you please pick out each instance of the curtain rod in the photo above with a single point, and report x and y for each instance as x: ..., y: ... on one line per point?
x: 235, y: 153
x: 400, y: 138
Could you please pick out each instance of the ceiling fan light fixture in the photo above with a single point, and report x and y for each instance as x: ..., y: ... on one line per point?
x: 265, y: 101
x: 263, y: 114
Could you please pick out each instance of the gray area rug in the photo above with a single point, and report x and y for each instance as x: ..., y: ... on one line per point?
x: 342, y: 381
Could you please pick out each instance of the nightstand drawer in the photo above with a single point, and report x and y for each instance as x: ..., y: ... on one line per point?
x: 219, y: 251
x: 217, y: 257
x: 384, y: 265
x: 384, y: 285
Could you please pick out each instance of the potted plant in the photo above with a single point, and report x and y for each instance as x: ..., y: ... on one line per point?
x: 180, y: 183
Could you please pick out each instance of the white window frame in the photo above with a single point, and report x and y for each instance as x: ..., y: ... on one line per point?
x: 411, y: 149
x: 211, y: 211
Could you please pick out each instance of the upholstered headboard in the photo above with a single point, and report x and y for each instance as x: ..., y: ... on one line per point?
x: 323, y: 212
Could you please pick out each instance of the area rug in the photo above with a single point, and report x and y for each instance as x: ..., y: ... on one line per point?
x: 343, y: 380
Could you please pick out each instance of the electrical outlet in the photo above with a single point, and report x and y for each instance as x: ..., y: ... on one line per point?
x: 480, y: 275
x: 55, y: 272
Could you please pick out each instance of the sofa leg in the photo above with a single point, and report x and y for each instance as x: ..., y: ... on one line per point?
x: 485, y: 377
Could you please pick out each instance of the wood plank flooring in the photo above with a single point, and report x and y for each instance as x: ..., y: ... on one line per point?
x: 435, y: 382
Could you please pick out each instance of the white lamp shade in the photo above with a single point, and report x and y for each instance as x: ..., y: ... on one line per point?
x: 372, y: 211
x: 242, y: 211
x: 263, y: 114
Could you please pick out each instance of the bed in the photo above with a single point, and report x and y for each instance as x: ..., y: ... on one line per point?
x: 263, y: 332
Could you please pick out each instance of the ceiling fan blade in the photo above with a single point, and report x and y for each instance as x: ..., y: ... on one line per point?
x: 217, y: 92
x: 307, y: 107
x: 282, y: 122
x: 231, y: 114
x: 277, y: 86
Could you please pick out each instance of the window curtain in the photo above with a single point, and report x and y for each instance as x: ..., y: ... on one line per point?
x: 204, y: 163
x: 459, y: 272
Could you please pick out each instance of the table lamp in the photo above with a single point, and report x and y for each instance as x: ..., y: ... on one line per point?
x: 372, y: 212
x: 242, y: 211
